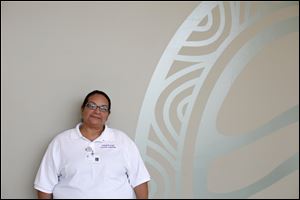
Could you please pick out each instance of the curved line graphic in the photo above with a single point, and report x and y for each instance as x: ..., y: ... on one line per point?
x: 218, y: 94
x: 207, y: 134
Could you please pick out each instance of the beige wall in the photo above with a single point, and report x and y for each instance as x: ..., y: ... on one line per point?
x: 209, y: 91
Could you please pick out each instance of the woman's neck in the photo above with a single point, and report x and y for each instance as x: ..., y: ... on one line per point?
x: 91, y: 133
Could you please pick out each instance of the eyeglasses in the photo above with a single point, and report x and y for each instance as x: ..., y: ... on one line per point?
x: 89, y: 150
x: 93, y: 106
x: 95, y: 158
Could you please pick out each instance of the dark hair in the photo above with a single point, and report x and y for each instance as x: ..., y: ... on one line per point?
x: 96, y: 92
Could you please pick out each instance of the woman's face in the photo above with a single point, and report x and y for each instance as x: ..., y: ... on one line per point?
x: 94, y: 118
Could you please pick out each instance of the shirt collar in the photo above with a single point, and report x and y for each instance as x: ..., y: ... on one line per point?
x: 106, y: 135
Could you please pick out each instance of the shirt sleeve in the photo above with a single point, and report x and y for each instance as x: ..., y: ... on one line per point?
x: 48, y: 173
x: 137, y: 171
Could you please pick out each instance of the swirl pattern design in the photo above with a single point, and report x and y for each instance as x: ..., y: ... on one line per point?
x: 178, y: 130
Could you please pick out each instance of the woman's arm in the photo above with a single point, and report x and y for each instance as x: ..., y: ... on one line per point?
x: 43, y: 195
x: 141, y: 191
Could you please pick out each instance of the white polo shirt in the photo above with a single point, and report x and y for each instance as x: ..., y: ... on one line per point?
x: 75, y: 167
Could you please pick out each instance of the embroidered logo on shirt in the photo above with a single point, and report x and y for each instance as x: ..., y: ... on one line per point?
x: 108, y: 146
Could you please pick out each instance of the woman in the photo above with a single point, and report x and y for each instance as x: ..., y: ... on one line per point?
x: 92, y: 160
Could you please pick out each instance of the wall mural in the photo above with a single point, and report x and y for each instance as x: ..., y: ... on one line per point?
x: 177, y: 130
